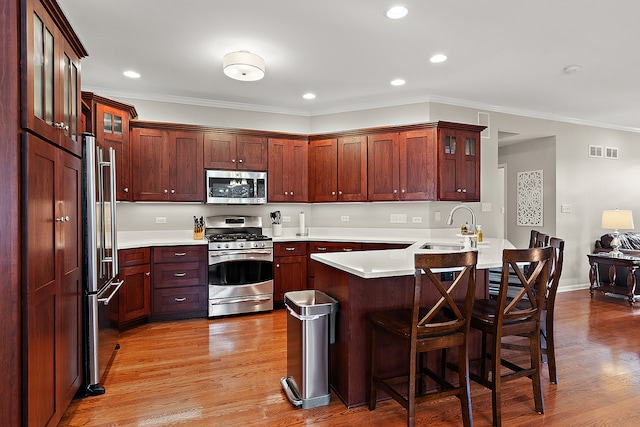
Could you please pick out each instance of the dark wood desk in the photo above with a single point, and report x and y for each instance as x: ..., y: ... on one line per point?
x: 624, y: 261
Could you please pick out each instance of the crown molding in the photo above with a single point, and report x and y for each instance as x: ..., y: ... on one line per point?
x: 353, y: 107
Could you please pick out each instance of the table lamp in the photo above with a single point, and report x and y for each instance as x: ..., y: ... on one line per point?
x: 616, y: 220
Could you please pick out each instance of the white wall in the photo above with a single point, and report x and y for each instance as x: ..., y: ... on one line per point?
x: 588, y: 185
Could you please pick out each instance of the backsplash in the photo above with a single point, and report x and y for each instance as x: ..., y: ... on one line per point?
x: 179, y: 216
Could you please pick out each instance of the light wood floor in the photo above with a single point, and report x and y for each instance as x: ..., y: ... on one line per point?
x: 226, y: 372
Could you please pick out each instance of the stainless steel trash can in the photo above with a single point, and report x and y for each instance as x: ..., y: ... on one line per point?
x: 310, y: 330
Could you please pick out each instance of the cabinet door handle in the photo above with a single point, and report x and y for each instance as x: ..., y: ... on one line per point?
x: 290, y: 249
x: 347, y: 249
x: 322, y: 249
x: 292, y: 193
x: 340, y: 193
x: 173, y: 191
x: 180, y: 299
x: 464, y: 190
x: 286, y: 193
x: 166, y: 191
x: 459, y: 190
x: 126, y: 189
x: 180, y: 274
x: 402, y: 190
x: 333, y: 193
x: 63, y: 219
x: 277, y: 265
x: 180, y: 253
x: 240, y: 161
x: 395, y: 191
x: 148, y: 273
x: 233, y: 160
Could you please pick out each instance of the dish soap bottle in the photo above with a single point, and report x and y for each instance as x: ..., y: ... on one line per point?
x: 479, y: 233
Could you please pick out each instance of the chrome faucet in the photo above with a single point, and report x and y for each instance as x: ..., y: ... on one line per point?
x: 473, y: 222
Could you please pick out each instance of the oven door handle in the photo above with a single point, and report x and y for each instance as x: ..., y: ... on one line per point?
x: 224, y: 253
x: 259, y: 298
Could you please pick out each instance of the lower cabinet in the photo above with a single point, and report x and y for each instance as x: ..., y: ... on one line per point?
x: 289, y: 269
x: 179, y: 282
x: 324, y: 247
x: 134, y: 298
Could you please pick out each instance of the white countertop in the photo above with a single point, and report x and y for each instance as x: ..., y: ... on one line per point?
x: 366, y: 264
x: 400, y: 262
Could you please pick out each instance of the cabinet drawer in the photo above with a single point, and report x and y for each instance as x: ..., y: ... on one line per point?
x: 179, y: 253
x: 138, y: 256
x: 290, y: 249
x: 179, y: 300
x: 176, y: 274
x: 315, y: 247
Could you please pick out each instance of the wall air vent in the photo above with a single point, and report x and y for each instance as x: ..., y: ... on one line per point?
x: 595, y: 151
x: 611, y: 153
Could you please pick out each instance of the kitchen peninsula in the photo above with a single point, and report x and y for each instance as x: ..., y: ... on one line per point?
x: 368, y: 281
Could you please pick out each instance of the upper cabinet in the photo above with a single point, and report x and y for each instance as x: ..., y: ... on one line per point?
x: 459, y: 162
x: 51, y: 78
x: 166, y: 165
x: 109, y: 121
x: 402, y: 166
x: 235, y: 152
x: 338, y: 169
x: 288, y: 170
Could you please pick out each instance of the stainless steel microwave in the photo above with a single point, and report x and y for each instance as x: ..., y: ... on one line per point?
x: 236, y: 187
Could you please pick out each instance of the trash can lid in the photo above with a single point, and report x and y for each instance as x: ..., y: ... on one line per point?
x: 310, y: 302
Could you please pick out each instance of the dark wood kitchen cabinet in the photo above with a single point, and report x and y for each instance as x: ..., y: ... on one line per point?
x: 134, y: 298
x: 109, y: 120
x: 402, y: 166
x: 235, y: 152
x: 289, y: 268
x: 288, y: 170
x: 52, y: 297
x: 51, y: 80
x: 326, y: 247
x: 166, y: 165
x: 338, y: 169
x: 459, y: 162
x: 179, y: 282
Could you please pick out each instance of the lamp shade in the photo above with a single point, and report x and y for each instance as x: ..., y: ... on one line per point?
x: 243, y: 65
x: 617, y: 219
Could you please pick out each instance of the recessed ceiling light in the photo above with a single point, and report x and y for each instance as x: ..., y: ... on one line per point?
x: 397, y: 82
x: 309, y: 96
x: 438, y: 58
x: 132, y: 74
x: 397, y: 12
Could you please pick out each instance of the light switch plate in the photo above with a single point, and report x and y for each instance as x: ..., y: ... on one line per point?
x: 344, y: 218
x: 286, y: 219
x: 565, y: 208
x: 416, y: 219
x: 161, y: 220
x: 486, y: 207
x: 398, y: 218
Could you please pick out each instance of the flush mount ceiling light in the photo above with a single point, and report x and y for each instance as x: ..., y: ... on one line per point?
x: 309, y: 95
x: 397, y: 82
x: 243, y: 65
x: 397, y: 12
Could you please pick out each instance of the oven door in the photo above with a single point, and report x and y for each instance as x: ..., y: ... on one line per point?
x: 240, y: 281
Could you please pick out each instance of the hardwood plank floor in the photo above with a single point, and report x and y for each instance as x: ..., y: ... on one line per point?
x: 226, y: 372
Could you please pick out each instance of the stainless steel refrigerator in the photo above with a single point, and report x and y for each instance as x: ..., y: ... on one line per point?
x: 100, y: 260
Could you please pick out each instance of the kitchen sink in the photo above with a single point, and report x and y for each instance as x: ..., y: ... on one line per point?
x: 443, y: 246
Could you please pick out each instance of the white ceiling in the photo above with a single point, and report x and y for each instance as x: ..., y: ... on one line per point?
x: 504, y: 55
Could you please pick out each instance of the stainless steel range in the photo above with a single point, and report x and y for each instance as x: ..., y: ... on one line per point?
x: 240, y: 265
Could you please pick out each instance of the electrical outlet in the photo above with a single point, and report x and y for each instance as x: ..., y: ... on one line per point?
x: 344, y: 218
x: 486, y: 207
x: 437, y: 215
x: 161, y: 220
x: 416, y: 219
x: 398, y: 218
x: 286, y: 219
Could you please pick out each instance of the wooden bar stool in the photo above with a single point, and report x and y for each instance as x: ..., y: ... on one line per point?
x: 519, y: 316
x: 548, y: 347
x: 427, y: 329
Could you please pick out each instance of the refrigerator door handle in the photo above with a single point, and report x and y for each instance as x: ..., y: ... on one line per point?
x: 112, y: 204
x: 106, y: 300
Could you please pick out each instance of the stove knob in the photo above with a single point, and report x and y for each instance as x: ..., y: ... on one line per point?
x: 241, y: 245
x: 226, y: 245
x: 219, y: 245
